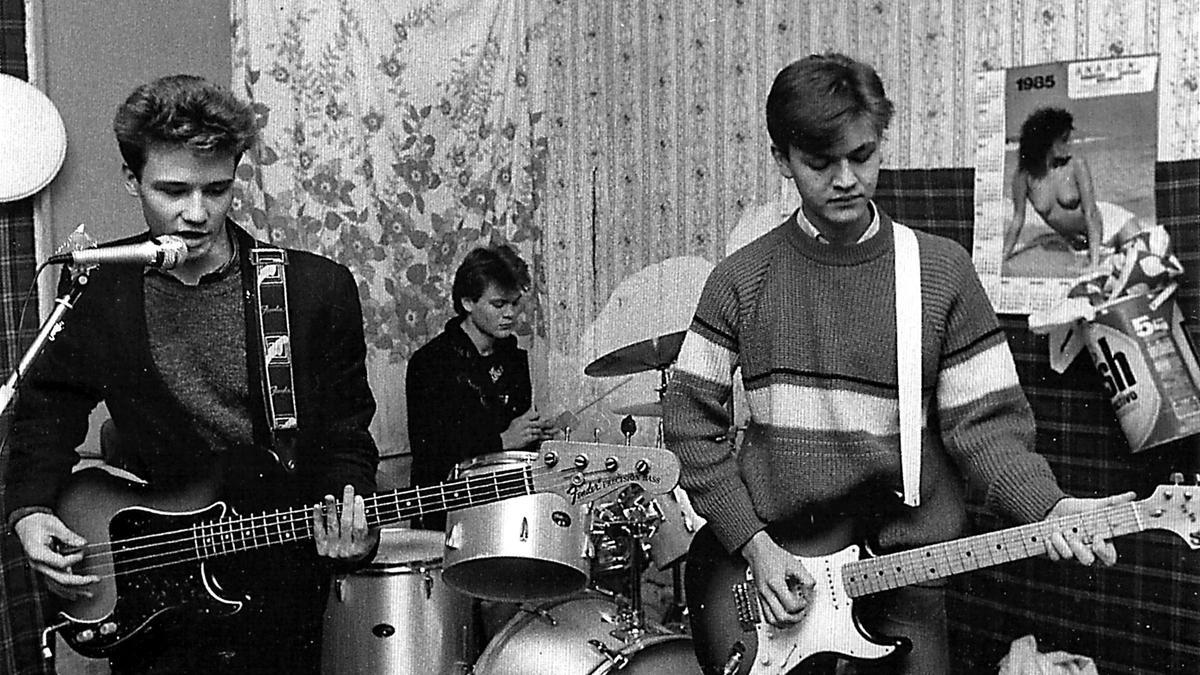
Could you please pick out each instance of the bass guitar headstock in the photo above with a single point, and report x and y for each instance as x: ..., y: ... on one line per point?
x: 586, y: 472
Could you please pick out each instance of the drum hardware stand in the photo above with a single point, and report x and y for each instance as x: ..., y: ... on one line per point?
x: 632, y: 616
x: 676, y: 614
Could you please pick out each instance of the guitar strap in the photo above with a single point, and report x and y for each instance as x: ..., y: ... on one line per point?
x: 908, y: 359
x: 274, y: 332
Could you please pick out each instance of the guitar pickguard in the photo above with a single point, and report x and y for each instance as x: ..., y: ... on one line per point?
x: 828, y: 626
x: 140, y: 578
x: 728, y: 626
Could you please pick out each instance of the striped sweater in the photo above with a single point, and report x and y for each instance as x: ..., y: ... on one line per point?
x: 812, y: 327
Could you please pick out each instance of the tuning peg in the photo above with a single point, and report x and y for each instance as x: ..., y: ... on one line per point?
x: 581, y: 462
x: 596, y: 435
x: 1176, y: 478
x: 610, y: 463
x: 550, y: 458
x: 566, y: 433
x: 642, y: 467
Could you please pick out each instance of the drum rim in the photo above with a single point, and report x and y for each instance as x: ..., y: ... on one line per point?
x: 403, y: 567
x: 654, y: 635
x: 503, y: 458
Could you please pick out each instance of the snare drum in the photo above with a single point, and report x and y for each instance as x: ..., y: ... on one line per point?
x: 576, y: 636
x: 527, y: 548
x: 396, y: 617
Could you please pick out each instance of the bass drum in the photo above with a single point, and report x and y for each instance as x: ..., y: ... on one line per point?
x: 575, y: 637
x: 396, y: 616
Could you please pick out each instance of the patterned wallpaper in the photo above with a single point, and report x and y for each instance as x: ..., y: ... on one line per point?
x: 658, y: 142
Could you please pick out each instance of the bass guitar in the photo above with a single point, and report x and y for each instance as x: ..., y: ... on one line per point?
x: 151, y: 549
x: 730, y: 635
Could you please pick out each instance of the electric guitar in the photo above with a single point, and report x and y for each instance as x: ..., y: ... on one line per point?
x: 151, y: 549
x: 730, y: 635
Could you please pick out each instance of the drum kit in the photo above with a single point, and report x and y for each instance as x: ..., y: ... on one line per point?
x: 572, y: 573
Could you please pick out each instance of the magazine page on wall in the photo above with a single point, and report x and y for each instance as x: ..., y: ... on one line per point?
x: 1064, y: 170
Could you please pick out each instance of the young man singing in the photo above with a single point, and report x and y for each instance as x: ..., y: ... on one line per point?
x: 177, y: 357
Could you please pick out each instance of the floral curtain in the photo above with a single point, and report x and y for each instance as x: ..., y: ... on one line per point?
x: 396, y: 137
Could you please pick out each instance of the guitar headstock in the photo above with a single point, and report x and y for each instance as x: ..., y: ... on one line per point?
x: 586, y: 472
x: 1174, y: 507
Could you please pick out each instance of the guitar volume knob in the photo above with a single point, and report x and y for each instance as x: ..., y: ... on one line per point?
x: 86, y: 635
x: 108, y: 628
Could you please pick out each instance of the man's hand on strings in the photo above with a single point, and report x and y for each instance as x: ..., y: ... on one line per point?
x: 784, y: 585
x: 342, y: 533
x: 1083, y: 547
x: 52, y: 550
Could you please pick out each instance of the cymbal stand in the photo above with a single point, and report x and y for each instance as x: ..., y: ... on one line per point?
x: 632, y: 618
x: 676, y: 614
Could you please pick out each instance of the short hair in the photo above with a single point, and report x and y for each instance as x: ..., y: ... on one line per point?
x: 182, y: 110
x: 497, y: 264
x: 1038, y: 133
x: 814, y: 99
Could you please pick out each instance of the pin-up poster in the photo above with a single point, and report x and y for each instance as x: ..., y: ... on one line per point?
x: 1064, y: 166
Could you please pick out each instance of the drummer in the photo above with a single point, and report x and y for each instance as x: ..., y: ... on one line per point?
x: 468, y: 389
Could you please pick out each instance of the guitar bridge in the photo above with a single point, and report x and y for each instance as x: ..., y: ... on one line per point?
x: 745, y: 599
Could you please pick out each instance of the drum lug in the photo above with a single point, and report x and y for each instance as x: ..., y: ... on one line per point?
x: 454, y: 537
x: 618, y: 659
x: 428, y: 576
x: 542, y: 615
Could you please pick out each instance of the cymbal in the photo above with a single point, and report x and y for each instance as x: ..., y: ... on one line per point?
x: 647, y: 409
x: 657, y: 353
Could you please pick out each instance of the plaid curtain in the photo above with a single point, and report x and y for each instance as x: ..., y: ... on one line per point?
x: 22, y: 604
x: 1143, y: 615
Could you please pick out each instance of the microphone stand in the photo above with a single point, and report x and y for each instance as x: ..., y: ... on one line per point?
x: 49, y: 329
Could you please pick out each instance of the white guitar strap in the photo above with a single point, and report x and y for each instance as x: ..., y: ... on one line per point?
x: 908, y: 359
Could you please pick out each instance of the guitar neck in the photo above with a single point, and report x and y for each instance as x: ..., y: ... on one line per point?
x: 937, y: 561
x: 243, y: 533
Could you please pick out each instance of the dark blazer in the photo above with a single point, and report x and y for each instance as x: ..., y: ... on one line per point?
x: 103, y: 354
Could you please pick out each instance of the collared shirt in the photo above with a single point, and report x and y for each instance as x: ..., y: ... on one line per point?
x: 811, y: 230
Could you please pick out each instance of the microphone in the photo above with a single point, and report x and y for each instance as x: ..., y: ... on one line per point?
x: 165, y: 252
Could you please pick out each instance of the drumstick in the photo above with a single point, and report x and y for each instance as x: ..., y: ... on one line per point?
x: 568, y: 418
x: 603, y: 396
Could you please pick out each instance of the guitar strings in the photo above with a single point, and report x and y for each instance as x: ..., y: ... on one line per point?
x: 399, y: 497
x: 881, y: 573
x: 223, y: 532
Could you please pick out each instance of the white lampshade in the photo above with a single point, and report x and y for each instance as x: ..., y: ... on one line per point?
x: 33, y: 140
